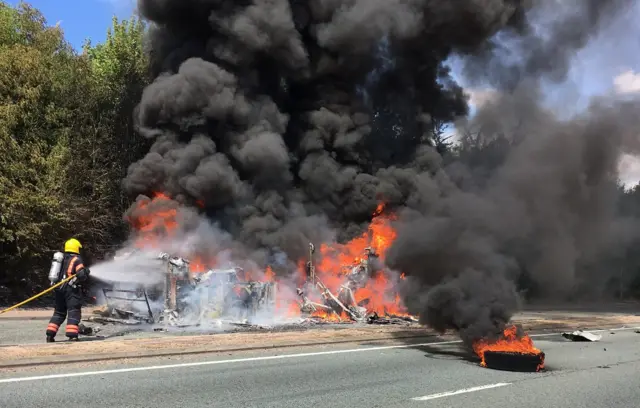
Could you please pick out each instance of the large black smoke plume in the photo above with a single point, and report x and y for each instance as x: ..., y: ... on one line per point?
x: 290, y: 119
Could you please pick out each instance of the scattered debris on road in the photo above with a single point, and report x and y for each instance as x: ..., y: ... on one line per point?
x: 88, y: 330
x: 390, y: 319
x: 580, y: 335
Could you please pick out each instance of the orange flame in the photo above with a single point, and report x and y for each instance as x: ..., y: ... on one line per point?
x: 337, y: 260
x: 150, y: 225
x: 269, y: 275
x: 330, y: 316
x: 510, y: 342
x: 156, y: 217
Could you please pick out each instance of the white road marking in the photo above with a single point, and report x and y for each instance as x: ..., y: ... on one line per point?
x: 462, y: 391
x: 263, y: 358
x: 216, y: 362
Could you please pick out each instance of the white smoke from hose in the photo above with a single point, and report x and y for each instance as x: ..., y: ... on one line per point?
x: 131, y: 266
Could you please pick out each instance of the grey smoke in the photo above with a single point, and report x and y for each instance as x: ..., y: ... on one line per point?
x: 257, y: 111
x: 545, y: 47
x: 547, y: 212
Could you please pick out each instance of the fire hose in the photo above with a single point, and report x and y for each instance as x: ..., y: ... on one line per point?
x: 39, y: 294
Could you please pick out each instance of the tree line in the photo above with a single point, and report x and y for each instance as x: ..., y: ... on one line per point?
x: 67, y: 137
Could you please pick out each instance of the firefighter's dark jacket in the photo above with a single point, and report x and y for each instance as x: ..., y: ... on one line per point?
x: 72, y: 264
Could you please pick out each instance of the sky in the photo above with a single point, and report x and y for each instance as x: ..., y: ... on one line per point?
x: 81, y: 19
x: 610, y: 63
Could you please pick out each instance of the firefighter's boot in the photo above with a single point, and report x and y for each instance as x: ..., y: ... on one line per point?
x: 51, y: 339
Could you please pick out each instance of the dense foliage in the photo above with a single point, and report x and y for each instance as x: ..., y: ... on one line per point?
x: 67, y: 137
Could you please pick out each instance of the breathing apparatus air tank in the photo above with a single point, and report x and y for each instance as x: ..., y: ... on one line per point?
x: 56, y: 265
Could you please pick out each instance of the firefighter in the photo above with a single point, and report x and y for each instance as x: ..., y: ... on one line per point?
x: 68, y: 297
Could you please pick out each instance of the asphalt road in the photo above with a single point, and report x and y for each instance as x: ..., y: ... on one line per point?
x: 599, y: 374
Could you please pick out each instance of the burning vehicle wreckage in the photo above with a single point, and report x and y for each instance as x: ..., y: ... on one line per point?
x: 187, y: 299
x: 344, y: 305
x: 229, y: 296
x: 343, y: 284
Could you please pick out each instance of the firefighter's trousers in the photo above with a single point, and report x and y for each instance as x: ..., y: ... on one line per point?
x: 68, y: 306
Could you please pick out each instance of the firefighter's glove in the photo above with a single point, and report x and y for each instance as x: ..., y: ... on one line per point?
x: 83, y: 275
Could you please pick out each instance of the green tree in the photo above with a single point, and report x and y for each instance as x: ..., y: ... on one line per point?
x: 67, y: 136
x: 109, y: 143
x: 41, y: 88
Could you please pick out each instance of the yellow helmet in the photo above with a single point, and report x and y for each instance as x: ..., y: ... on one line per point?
x: 73, y: 246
